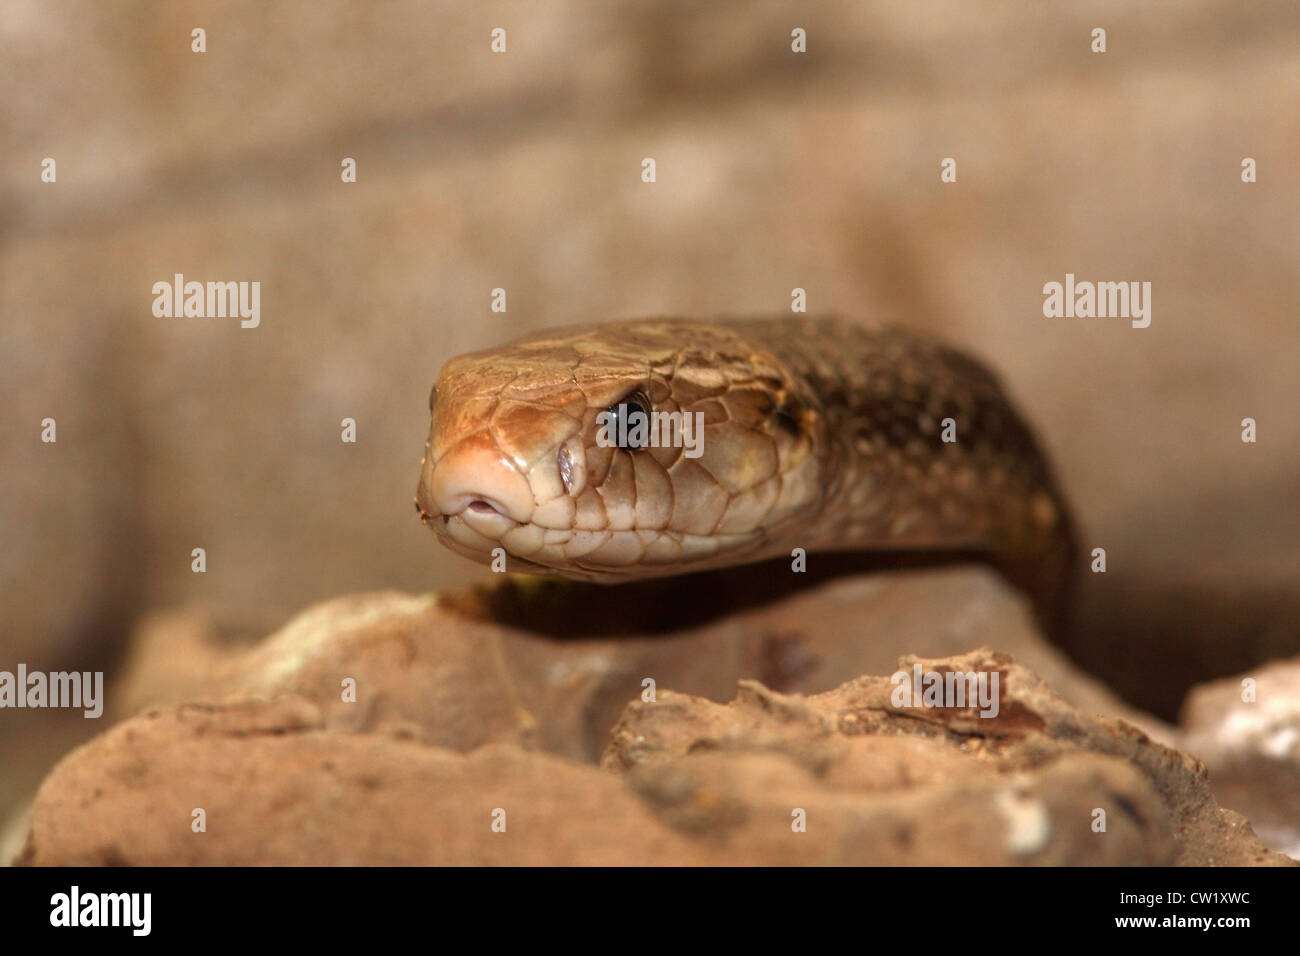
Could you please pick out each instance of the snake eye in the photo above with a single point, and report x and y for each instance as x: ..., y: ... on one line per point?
x: 629, y: 421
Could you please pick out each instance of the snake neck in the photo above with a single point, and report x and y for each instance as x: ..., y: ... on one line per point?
x: 921, y: 449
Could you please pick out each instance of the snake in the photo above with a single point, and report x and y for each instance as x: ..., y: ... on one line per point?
x: 814, y: 434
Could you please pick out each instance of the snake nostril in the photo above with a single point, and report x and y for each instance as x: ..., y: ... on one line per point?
x: 482, y: 507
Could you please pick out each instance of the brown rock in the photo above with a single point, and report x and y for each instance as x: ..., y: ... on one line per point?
x: 277, y: 788
x: 465, y: 680
x: 1252, y: 747
x: 1043, y: 765
x: 685, y: 781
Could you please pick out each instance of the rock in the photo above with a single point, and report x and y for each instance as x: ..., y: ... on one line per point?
x: 1252, y: 747
x: 1039, y: 766
x: 277, y: 788
x: 467, y: 672
x: 433, y: 752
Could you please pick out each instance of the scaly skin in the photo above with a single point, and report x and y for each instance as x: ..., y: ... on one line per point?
x: 820, y: 434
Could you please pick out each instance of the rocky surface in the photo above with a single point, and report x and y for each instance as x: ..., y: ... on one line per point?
x: 461, y: 724
x: 469, y: 671
x: 1247, y: 730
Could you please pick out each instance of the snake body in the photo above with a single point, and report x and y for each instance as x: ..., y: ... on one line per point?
x: 819, y: 434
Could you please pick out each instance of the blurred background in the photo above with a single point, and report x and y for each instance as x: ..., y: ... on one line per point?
x: 521, y: 171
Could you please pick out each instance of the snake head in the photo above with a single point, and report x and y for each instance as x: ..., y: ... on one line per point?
x: 534, y: 449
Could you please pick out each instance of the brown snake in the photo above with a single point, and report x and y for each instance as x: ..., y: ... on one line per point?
x: 820, y: 434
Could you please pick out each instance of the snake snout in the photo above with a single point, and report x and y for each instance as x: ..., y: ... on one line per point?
x: 477, y: 483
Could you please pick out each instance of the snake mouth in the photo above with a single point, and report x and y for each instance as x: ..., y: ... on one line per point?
x: 600, y: 556
x: 484, y: 518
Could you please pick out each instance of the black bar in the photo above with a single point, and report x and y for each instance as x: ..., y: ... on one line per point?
x: 486, y: 907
